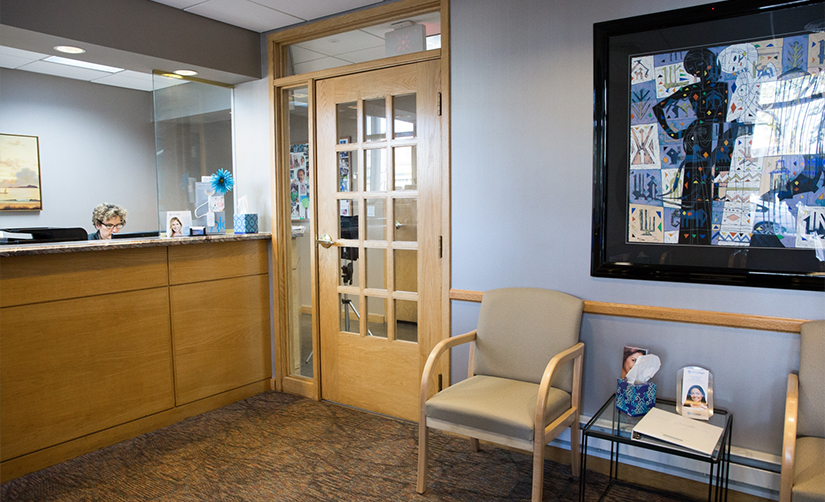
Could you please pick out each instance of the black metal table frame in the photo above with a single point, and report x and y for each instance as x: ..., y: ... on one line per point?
x: 720, y: 459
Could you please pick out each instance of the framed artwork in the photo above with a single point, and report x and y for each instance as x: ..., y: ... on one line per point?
x: 20, y: 173
x: 709, y: 145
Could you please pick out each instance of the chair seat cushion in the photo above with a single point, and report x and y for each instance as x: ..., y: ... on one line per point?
x: 809, y: 474
x: 497, y: 405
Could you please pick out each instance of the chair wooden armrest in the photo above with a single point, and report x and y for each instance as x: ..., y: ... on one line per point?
x: 574, y: 352
x: 789, y: 439
x: 429, y: 368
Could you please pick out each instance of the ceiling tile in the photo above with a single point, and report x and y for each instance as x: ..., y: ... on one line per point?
x: 245, y: 14
x: 319, y: 64
x: 8, y: 61
x: 61, y: 70
x: 127, y: 79
x: 180, y: 4
x: 32, y: 56
x: 301, y: 55
x: 364, y: 55
x: 309, y: 10
x: 343, y: 43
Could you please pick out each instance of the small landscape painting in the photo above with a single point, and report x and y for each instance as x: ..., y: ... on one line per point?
x: 20, y: 173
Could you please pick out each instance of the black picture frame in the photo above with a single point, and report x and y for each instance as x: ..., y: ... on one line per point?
x: 616, y: 42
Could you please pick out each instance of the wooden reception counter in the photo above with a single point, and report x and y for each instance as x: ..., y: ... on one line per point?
x: 101, y: 341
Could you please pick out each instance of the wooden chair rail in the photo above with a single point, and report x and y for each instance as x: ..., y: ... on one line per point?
x: 707, y: 317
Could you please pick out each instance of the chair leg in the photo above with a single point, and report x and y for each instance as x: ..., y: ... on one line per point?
x: 474, y: 444
x: 575, y: 448
x: 422, y: 457
x: 538, y: 471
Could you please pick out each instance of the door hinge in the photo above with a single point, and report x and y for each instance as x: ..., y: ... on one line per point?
x: 439, y: 104
x: 440, y: 383
x: 440, y: 248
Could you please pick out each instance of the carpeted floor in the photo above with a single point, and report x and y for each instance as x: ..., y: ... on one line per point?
x: 279, y: 447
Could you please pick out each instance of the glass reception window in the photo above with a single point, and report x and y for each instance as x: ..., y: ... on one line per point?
x: 193, y: 141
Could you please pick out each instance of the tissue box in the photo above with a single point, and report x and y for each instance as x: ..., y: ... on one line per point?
x: 246, y: 223
x: 635, y: 399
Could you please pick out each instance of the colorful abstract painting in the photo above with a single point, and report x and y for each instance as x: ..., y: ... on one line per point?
x: 727, y: 145
x: 19, y: 173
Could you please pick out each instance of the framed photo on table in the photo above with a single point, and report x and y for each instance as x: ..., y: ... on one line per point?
x: 709, y: 145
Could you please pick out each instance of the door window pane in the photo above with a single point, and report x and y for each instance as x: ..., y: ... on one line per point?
x: 376, y: 268
x: 375, y: 119
x: 405, y: 168
x: 347, y: 116
x: 406, y: 219
x: 406, y: 320
x: 348, y: 229
x: 404, y: 119
x: 376, y: 170
x: 377, y: 317
x: 405, y: 270
x: 348, y: 171
x: 376, y: 220
x: 350, y: 314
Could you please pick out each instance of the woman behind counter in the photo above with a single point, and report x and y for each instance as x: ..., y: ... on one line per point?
x: 108, y: 219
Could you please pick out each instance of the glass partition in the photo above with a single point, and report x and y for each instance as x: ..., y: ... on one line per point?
x: 301, y: 176
x: 194, y: 155
x: 411, y: 34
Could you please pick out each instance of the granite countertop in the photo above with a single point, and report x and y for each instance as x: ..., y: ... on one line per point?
x: 142, y: 242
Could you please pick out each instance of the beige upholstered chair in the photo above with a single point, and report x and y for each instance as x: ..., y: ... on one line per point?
x: 524, y: 385
x: 803, y: 449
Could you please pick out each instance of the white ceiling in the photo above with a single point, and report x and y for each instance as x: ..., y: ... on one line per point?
x: 260, y: 16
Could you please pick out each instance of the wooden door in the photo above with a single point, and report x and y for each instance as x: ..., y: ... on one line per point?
x: 379, y: 201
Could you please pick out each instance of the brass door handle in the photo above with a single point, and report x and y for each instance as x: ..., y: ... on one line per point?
x: 325, y: 240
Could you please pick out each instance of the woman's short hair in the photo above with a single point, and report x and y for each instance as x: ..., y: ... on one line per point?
x: 104, y: 211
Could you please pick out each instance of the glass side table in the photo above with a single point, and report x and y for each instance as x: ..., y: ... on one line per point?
x: 615, y: 426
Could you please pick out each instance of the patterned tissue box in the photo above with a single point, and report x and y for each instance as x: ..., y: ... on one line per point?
x: 246, y: 223
x: 635, y: 399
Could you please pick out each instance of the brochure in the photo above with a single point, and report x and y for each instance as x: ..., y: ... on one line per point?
x: 677, y: 430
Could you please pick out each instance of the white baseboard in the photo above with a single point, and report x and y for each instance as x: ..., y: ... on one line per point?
x: 751, y: 471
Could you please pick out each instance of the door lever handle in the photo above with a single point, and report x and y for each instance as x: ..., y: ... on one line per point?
x: 325, y: 240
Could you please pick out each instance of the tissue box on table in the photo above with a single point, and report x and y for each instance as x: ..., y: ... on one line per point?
x: 635, y: 399
x: 246, y: 223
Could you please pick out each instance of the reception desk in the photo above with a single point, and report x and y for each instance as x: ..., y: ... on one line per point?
x: 103, y: 341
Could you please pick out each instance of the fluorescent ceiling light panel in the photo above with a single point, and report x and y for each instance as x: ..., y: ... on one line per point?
x: 82, y: 64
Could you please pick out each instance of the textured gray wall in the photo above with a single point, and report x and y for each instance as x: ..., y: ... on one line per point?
x: 522, y: 136
x: 97, y: 144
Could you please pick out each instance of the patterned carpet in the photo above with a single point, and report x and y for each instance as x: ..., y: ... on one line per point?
x: 279, y: 447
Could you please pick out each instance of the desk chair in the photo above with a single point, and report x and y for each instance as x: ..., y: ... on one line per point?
x: 521, y: 391
x: 803, y: 448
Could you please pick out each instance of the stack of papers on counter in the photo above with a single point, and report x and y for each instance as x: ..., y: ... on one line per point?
x: 673, y: 429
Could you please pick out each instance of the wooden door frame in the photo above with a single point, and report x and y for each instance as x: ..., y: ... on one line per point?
x: 279, y: 166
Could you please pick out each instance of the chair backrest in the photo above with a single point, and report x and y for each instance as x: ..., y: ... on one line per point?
x: 812, y: 380
x: 521, y: 329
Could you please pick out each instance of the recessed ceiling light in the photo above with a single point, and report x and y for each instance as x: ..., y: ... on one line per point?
x: 69, y: 49
x: 185, y: 73
x: 82, y: 64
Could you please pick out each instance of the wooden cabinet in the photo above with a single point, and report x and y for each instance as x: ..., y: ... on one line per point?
x: 98, y: 347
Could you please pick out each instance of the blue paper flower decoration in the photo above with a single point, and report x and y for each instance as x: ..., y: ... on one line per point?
x: 222, y: 181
